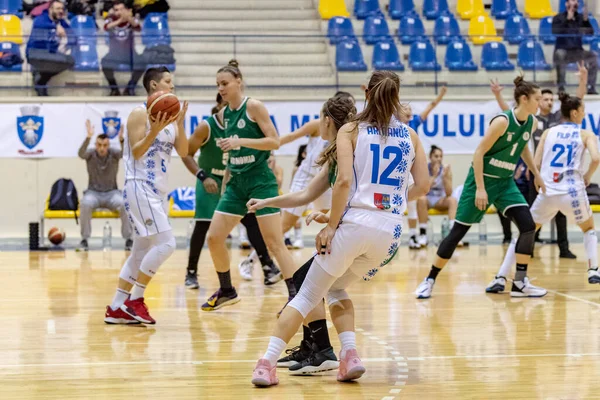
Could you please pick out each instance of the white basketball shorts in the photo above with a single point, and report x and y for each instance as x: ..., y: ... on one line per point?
x: 147, y: 210
x: 575, y: 206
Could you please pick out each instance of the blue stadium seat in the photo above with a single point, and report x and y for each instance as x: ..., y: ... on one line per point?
x: 401, y: 8
x: 349, y: 57
x: 86, y: 57
x: 545, y: 31
x: 339, y: 28
x: 364, y: 8
x: 13, y: 7
x: 589, y: 38
x: 459, y: 57
x: 422, y: 56
x: 531, y: 56
x: 502, y: 9
x: 155, y: 30
x: 410, y: 29
x: 375, y: 29
x: 446, y: 28
x: 385, y: 56
x: 516, y: 29
x: 494, y: 57
x: 432, y: 9
x: 11, y: 48
x: 84, y: 28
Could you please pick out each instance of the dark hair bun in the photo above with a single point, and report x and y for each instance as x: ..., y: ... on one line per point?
x: 234, y: 63
x: 563, y: 96
x: 518, y: 80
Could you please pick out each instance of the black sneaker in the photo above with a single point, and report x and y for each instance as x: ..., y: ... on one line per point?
x: 83, y: 245
x: 191, y: 281
x: 567, y: 254
x: 128, y: 244
x: 272, y: 274
x: 318, y: 361
x: 295, y: 355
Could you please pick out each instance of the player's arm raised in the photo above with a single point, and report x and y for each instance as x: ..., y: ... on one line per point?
x: 311, y: 128
x: 259, y: 113
x: 494, y: 132
x: 140, y: 138
x: 419, y: 170
x: 591, y: 142
x: 181, y: 141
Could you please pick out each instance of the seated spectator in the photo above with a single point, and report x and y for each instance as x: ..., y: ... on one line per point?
x: 102, y: 192
x: 121, y: 25
x: 49, y: 45
x: 570, y: 26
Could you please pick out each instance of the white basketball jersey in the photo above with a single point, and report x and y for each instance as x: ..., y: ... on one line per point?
x: 437, y: 188
x: 153, y: 166
x: 562, y: 166
x: 382, y: 167
x: 314, y: 148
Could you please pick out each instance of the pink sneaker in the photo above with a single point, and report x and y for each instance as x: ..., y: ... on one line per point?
x: 264, y: 374
x: 351, y: 367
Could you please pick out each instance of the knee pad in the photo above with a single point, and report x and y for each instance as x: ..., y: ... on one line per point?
x: 525, y: 242
x: 130, y: 269
x: 412, y: 209
x: 336, y: 296
x: 163, y: 247
x: 449, y: 244
x: 305, y: 301
x: 300, y: 274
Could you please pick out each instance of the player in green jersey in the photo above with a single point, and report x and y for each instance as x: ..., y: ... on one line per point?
x: 210, y: 170
x: 250, y: 138
x: 490, y: 181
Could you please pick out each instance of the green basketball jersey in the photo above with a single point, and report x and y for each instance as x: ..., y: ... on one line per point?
x: 239, y: 125
x: 212, y: 160
x: 501, y: 160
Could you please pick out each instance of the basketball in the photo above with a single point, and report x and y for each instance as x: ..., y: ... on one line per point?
x: 56, y: 236
x: 163, y: 101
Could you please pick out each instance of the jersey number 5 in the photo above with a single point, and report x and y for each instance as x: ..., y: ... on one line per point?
x: 561, y: 149
x: 388, y: 152
x: 163, y: 167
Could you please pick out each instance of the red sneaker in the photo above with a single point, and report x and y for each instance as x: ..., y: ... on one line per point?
x: 118, y: 317
x: 138, y: 310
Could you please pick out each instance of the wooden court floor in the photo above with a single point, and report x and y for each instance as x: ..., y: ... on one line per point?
x: 460, y: 344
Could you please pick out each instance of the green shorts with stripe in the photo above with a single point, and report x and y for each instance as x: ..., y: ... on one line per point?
x: 258, y: 183
x: 206, y: 203
x: 502, y: 193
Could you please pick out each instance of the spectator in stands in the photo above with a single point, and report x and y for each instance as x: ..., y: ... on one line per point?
x: 570, y: 26
x: 82, y: 7
x: 48, y: 45
x: 121, y: 26
x: 102, y: 165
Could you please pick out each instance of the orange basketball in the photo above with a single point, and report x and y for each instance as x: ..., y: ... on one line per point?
x: 56, y: 236
x: 163, y: 102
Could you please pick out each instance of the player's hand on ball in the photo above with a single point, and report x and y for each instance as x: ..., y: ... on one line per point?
x: 323, y: 240
x: 481, y: 199
x: 211, y: 185
x: 539, y: 184
x: 160, y: 122
x: 228, y: 144
x: 318, y: 217
x: 254, y: 205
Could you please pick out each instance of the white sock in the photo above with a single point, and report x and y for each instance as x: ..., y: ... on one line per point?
x: 413, y: 231
x: 451, y: 223
x: 348, y: 340
x: 276, y: 347
x: 138, y: 291
x: 298, y: 233
x: 590, y: 242
x: 243, y: 235
x: 120, y: 297
x: 510, y: 259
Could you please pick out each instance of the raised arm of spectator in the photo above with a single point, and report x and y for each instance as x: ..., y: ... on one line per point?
x: 586, y: 27
x: 83, y: 150
x: 497, y: 88
x: 433, y: 104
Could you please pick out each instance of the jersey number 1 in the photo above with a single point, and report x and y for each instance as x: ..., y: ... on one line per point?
x: 384, y: 178
x: 561, y: 149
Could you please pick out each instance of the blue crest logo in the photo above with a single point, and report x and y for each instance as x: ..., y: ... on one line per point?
x: 111, y: 124
x: 30, y: 126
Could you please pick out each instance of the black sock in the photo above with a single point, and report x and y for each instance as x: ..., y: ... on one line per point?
x: 196, y: 244
x: 521, y: 272
x: 423, y: 231
x: 306, y: 333
x: 434, y: 272
x: 289, y: 282
x: 225, y: 281
x: 256, y: 239
x: 320, y: 335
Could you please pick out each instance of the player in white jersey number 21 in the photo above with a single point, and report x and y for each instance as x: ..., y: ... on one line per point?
x: 559, y: 157
x: 147, y: 154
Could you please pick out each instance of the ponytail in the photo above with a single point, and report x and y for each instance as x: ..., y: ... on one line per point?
x: 340, y: 110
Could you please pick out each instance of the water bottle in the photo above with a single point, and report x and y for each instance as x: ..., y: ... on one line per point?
x: 445, y: 228
x: 107, y: 237
x: 190, y: 230
x: 482, y: 233
x: 430, y: 232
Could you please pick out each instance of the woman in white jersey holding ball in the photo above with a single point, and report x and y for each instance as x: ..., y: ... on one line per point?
x: 375, y: 155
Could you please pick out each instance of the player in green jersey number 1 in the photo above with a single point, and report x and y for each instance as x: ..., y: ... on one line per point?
x: 490, y: 181
x: 250, y: 136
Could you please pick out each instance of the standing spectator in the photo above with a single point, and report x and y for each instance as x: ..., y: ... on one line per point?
x: 48, y: 46
x: 102, y: 192
x: 570, y: 26
x: 121, y: 26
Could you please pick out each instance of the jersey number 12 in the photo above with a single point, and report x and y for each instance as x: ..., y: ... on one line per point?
x: 388, y: 152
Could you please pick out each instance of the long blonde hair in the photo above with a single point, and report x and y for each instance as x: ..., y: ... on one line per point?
x: 340, y: 109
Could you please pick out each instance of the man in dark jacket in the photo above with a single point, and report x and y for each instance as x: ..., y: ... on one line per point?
x: 47, y: 46
x: 570, y: 26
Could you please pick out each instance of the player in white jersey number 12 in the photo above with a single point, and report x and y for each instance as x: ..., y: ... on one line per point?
x: 559, y: 158
x: 147, y: 154
x: 375, y: 155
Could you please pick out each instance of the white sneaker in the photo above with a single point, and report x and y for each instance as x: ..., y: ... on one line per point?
x: 525, y: 289
x: 497, y: 285
x: 423, y: 240
x: 246, y: 268
x: 413, y: 243
x: 593, y: 276
x: 425, y: 288
x: 298, y: 244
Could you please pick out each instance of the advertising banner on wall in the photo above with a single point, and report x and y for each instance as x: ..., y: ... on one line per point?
x: 58, y: 129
